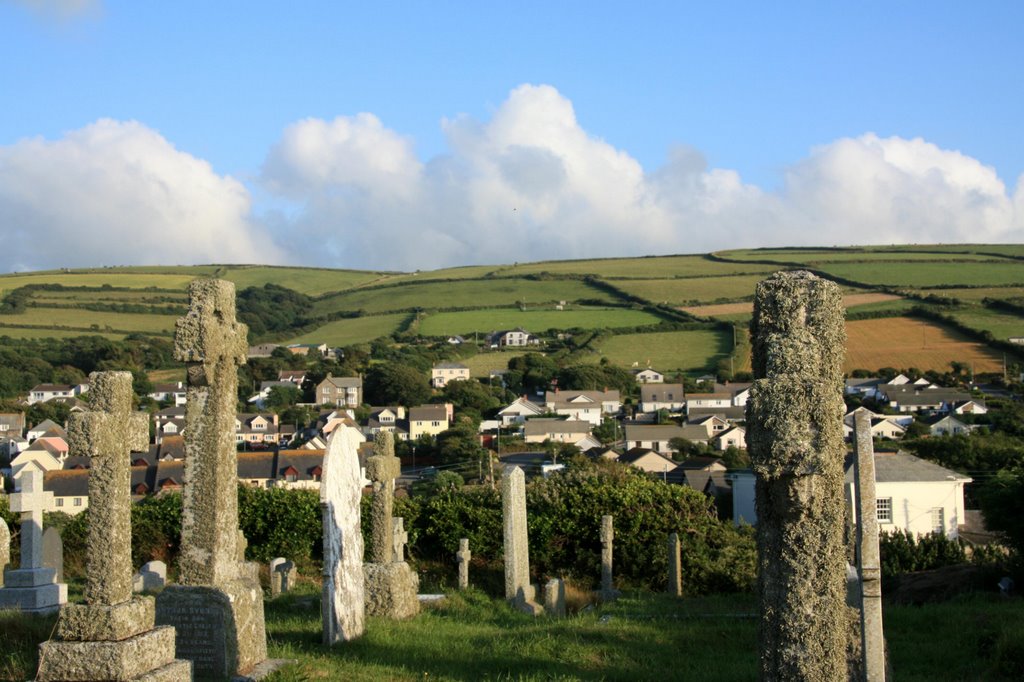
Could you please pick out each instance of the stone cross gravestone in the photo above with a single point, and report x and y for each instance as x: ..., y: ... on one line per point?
x: 400, y: 538
x: 391, y: 586
x: 795, y: 439
x: 32, y: 587
x: 283, y: 575
x: 554, y: 598
x: 111, y: 636
x: 218, y: 607
x: 53, y: 552
x: 463, y: 556
x: 517, y: 550
x: 675, y: 566
x: 343, y: 603
x: 5, y: 549
x: 608, y: 591
x: 152, y: 577
x: 868, y: 558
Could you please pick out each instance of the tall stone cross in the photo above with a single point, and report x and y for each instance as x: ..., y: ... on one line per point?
x: 5, y: 549
x: 607, y: 539
x: 108, y: 433
x: 675, y: 568
x: 868, y: 559
x: 400, y: 538
x: 795, y: 440
x: 463, y: 556
x: 382, y: 468
x: 212, y: 344
x: 31, y: 502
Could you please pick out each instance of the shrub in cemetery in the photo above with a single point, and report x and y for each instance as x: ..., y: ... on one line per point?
x: 903, y: 552
x: 281, y: 522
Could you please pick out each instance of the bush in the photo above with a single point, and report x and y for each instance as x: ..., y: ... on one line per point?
x: 903, y: 552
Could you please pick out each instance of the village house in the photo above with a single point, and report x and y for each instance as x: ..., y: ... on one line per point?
x: 609, y: 400
x: 555, y: 430
x: 884, y: 426
x: 257, y: 429
x: 42, y: 393
x: 340, y: 391
x: 294, y: 376
x: 173, y: 393
x: 947, y: 425
x: 390, y: 419
x: 648, y: 376
x: 259, y: 399
x: 263, y: 350
x: 648, y: 460
x: 443, y: 372
x: 657, y: 437
x: 47, y: 427
x: 429, y: 420
x: 12, y: 424
x: 736, y: 437
x: 661, y: 396
x: 706, y: 475
x: 513, y: 338
x: 519, y: 411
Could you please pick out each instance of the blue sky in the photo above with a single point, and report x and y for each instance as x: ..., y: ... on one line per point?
x: 231, y: 131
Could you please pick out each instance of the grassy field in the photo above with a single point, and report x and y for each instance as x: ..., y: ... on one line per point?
x: 978, y: 293
x: 691, y: 290
x: 470, y: 321
x: 461, y: 294
x: 129, y: 280
x: 85, y: 319
x: 864, y: 301
x: 1002, y: 325
x: 355, y: 330
x: 641, y: 636
x: 818, y: 256
x: 482, y: 363
x: 668, y: 351
x: 40, y: 333
x: 640, y: 268
x: 903, y: 342
x: 930, y: 274
x: 311, y: 281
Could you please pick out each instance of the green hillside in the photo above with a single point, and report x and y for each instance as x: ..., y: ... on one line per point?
x: 672, y: 311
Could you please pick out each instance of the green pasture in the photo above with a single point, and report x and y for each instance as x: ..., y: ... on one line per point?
x: 692, y: 290
x: 536, y: 321
x: 821, y: 256
x: 977, y: 293
x: 142, y: 296
x: 482, y: 363
x: 930, y: 274
x: 190, y: 271
x: 668, y: 351
x: 310, y: 281
x: 351, y: 331
x: 1002, y: 325
x: 44, y: 333
x: 647, y: 267
x: 478, y: 293
x: 462, y: 272
x: 77, y: 318
x: 129, y: 280
x: 894, y: 306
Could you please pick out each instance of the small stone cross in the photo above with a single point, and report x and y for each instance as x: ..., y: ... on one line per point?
x: 463, y: 556
x: 31, y: 502
x: 108, y: 433
x: 401, y: 539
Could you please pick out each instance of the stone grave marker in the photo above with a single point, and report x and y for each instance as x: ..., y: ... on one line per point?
x: 517, y: 550
x: 608, y: 591
x: 5, y: 549
x: 32, y: 587
x: 554, y: 598
x: 218, y: 605
x: 111, y: 636
x: 152, y: 577
x: 283, y: 575
x: 343, y: 606
x: 391, y: 586
x: 463, y: 556
x: 53, y: 552
x: 795, y: 439
x: 675, y: 566
x: 868, y: 558
x: 400, y: 538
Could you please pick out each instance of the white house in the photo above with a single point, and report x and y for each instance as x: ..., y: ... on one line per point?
x: 513, y: 338
x: 443, y: 372
x: 948, y: 425
x: 176, y: 393
x: 519, y: 411
x: 657, y: 437
x: 661, y: 396
x: 649, y: 376
x: 555, y: 430
x: 43, y: 392
x: 609, y: 401
x: 736, y: 437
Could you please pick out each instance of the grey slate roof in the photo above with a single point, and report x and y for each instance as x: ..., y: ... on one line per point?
x: 901, y: 467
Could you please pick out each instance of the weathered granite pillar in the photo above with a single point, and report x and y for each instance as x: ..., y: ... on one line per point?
x: 5, y: 549
x: 218, y: 605
x: 391, y: 586
x: 868, y: 559
x: 463, y: 556
x: 31, y: 587
x: 795, y: 439
x: 608, y: 591
x: 517, y: 550
x: 675, y: 565
x: 112, y: 635
x: 400, y: 538
x: 343, y: 606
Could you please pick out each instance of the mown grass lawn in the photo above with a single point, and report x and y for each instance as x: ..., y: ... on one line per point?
x: 926, y: 274
x: 355, y: 330
x: 695, y: 350
x: 78, y: 318
x: 1002, y: 325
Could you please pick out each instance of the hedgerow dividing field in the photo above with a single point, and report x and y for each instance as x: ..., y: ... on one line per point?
x: 930, y: 274
x: 691, y: 289
x: 1001, y: 325
x: 310, y: 281
x: 470, y: 321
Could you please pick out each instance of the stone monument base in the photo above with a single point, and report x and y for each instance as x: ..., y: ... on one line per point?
x: 33, y: 590
x: 220, y: 629
x: 391, y: 590
x: 147, y: 656
x: 526, y: 601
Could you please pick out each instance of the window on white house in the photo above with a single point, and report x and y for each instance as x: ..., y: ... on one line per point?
x: 938, y: 520
x: 883, y: 509
x: 291, y: 478
x: 78, y: 501
x: 60, y: 501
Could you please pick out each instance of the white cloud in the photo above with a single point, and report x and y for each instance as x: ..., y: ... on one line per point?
x: 118, y: 193
x: 531, y: 184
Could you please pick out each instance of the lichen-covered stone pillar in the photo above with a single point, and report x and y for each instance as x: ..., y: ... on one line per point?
x: 608, y: 591
x: 675, y: 566
x: 400, y: 538
x: 33, y: 586
x: 112, y: 635
x: 343, y: 605
x: 795, y: 440
x: 382, y: 468
x: 463, y: 556
x: 868, y: 559
x: 517, y: 546
x: 213, y: 345
x: 5, y: 549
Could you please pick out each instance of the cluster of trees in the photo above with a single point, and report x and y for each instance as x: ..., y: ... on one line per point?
x: 272, y: 309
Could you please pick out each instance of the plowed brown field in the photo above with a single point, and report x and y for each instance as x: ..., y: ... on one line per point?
x: 903, y: 342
